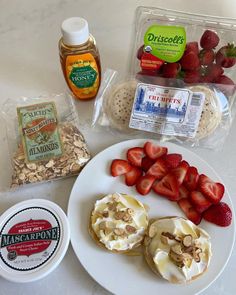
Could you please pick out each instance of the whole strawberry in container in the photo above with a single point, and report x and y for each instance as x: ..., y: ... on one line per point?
x: 226, y: 56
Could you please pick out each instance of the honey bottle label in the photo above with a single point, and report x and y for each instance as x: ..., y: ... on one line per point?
x: 38, y: 127
x: 82, y: 75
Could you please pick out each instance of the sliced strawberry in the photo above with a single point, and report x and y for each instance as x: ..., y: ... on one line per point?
x: 167, y: 187
x: 135, y: 155
x: 180, y: 171
x: 144, y: 184
x: 214, y: 191
x: 159, y: 169
x: 154, y: 151
x: 172, y: 160
x: 189, y: 211
x: 132, y: 176
x: 219, y: 214
x: 183, y: 192
x: 146, y: 163
x: 191, y: 178
x: 120, y: 167
x: 199, y: 201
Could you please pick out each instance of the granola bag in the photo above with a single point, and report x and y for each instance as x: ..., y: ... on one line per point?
x: 43, y: 140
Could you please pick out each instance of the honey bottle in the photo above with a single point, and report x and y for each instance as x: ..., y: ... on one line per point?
x: 80, y: 60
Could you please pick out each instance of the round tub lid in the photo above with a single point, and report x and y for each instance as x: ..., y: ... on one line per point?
x: 34, y: 237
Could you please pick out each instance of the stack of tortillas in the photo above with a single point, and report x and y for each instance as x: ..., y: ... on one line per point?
x: 118, y: 103
x: 211, y: 112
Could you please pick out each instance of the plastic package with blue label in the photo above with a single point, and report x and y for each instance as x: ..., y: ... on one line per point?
x: 180, y: 85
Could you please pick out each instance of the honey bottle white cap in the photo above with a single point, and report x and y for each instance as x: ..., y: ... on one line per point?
x: 75, y: 31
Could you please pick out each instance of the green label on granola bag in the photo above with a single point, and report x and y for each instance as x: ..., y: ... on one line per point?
x: 166, y: 42
x: 39, y: 131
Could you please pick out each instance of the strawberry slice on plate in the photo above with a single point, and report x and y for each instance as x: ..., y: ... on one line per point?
x: 199, y: 201
x: 214, y: 191
x: 183, y: 192
x: 180, y: 171
x: 167, y: 187
x: 120, y: 167
x: 154, y: 151
x: 144, y: 184
x: 219, y: 214
x: 191, y: 178
x: 172, y: 160
x: 158, y: 169
x: 135, y: 155
x: 146, y: 163
x: 189, y: 211
x: 132, y: 176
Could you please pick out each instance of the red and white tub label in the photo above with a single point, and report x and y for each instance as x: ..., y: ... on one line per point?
x: 29, y: 238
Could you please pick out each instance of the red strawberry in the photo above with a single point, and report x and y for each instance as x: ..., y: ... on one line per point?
x: 191, y: 178
x: 180, y: 171
x: 226, y: 56
x: 135, y: 155
x: 167, y: 187
x: 154, y: 151
x: 191, y: 77
x: 189, y: 61
x: 140, y: 52
x: 212, y: 72
x: 172, y: 160
x: 144, y: 184
x: 206, y: 56
x: 219, y: 214
x: 214, y: 191
x: 146, y: 163
x: 132, y: 176
x: 159, y: 169
x: 170, y: 70
x: 223, y: 79
x: 189, y: 211
x: 192, y: 46
x: 183, y: 192
x: 120, y: 167
x: 199, y: 202
x: 209, y: 40
x: 227, y: 85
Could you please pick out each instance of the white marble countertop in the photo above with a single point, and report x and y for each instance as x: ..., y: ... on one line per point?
x: 29, y: 66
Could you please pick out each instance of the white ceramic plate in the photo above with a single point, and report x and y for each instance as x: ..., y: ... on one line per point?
x: 122, y: 274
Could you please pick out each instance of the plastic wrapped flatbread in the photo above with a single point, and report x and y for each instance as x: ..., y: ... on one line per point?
x: 211, y: 112
x: 118, y: 103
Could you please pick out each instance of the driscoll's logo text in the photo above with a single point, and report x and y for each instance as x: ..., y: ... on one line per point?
x: 163, y: 39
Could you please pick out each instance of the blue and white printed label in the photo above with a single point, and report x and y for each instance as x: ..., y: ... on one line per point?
x: 166, y: 110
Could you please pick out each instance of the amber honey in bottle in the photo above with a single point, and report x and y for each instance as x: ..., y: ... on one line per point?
x: 80, y: 60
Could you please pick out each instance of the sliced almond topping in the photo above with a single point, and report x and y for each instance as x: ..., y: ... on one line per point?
x: 118, y: 231
x: 177, y: 249
x: 176, y: 257
x: 112, y: 206
x: 130, y: 211
x: 187, y: 240
x: 164, y: 240
x: 127, y: 217
x: 119, y: 215
x: 188, y: 249
x: 178, y: 238
x: 130, y: 229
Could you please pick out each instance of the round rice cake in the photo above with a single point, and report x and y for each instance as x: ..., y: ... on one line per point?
x: 211, y: 112
x: 118, y: 104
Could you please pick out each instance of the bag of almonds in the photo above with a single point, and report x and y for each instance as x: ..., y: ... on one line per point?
x: 44, y: 140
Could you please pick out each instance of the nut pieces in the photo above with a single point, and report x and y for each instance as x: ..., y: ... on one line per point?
x: 75, y: 156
